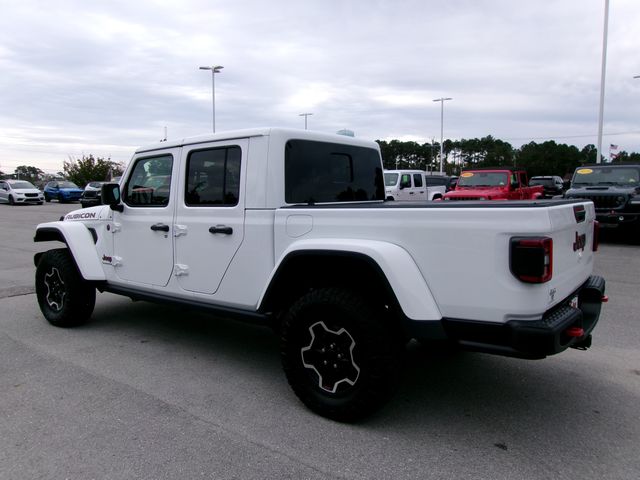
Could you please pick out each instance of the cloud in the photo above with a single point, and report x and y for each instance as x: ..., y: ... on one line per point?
x: 105, y: 77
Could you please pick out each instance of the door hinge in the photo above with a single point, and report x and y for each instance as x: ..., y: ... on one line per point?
x: 180, y: 270
x: 179, y: 230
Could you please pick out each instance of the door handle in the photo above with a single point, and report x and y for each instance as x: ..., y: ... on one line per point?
x: 221, y: 229
x: 160, y: 227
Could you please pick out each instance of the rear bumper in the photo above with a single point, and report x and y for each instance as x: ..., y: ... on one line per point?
x: 561, y: 327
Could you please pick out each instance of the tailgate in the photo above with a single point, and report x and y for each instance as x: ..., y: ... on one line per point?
x: 572, y: 231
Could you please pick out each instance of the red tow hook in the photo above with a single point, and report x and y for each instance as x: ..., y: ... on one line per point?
x: 576, y: 332
x: 604, y: 299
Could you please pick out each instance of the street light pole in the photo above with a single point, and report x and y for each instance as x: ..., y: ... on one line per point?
x: 442, y: 100
x: 214, y: 69
x: 305, y: 115
x: 602, y: 78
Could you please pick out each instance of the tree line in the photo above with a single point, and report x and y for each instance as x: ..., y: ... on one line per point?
x: 77, y: 170
x: 547, y: 158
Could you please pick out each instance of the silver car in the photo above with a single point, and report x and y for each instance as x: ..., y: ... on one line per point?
x: 15, y: 192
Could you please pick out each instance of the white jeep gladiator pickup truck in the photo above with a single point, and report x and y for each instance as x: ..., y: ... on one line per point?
x: 290, y: 228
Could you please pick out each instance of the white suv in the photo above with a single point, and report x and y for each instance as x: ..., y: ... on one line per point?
x: 19, y: 191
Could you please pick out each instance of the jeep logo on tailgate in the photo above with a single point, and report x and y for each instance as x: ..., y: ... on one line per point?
x: 580, y: 243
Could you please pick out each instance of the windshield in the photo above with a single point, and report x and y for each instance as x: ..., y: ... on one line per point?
x: 19, y: 185
x: 606, y: 176
x: 483, y: 179
x: 390, y: 179
x: 67, y: 185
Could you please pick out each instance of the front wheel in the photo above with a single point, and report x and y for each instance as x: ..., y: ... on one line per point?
x: 340, y: 356
x: 11, y: 200
x: 47, y: 198
x: 65, y: 298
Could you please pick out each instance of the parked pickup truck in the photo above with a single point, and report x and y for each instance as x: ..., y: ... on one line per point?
x: 412, y: 185
x: 615, y: 191
x: 494, y: 184
x: 291, y: 229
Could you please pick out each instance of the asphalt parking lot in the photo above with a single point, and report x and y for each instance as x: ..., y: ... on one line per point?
x: 147, y: 391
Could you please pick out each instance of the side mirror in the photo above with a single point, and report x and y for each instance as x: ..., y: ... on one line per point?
x: 111, y: 196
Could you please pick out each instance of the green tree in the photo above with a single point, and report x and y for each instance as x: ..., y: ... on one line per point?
x: 549, y: 158
x: 89, y: 168
x: 29, y: 173
x: 589, y: 153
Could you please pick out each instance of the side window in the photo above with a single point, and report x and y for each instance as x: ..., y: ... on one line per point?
x: 417, y: 180
x: 318, y: 172
x: 150, y: 182
x: 405, y: 180
x: 213, y: 177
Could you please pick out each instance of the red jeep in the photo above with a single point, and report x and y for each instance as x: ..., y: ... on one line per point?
x: 501, y: 183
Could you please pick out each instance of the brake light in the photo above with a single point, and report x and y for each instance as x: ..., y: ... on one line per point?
x: 596, y: 235
x: 532, y: 259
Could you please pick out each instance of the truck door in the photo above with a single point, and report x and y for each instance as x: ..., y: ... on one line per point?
x: 515, y: 189
x: 210, y: 213
x: 405, y: 187
x: 419, y: 188
x: 142, y: 232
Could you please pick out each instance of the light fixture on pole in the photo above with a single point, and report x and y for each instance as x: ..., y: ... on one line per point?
x: 214, y: 69
x: 442, y: 100
x: 305, y: 115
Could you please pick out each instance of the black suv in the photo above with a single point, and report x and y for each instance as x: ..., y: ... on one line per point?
x: 613, y: 188
x: 552, y: 185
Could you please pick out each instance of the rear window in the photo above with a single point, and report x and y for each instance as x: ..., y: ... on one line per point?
x: 436, y: 180
x: 320, y: 172
x: 548, y: 182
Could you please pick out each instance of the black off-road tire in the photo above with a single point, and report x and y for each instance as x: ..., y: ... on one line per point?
x: 355, y: 349
x: 65, y: 298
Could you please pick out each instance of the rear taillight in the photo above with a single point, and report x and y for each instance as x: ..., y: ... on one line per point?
x: 532, y: 259
x: 596, y: 235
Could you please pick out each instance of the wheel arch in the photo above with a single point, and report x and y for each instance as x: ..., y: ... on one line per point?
x: 79, y: 240
x: 381, y: 269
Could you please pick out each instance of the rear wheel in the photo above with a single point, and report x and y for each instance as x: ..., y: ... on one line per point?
x: 65, y: 298
x: 340, y: 356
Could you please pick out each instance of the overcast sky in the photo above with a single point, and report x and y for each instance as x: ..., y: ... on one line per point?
x: 105, y: 77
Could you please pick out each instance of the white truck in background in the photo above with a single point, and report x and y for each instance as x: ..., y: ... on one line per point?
x: 291, y: 229
x: 411, y: 185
